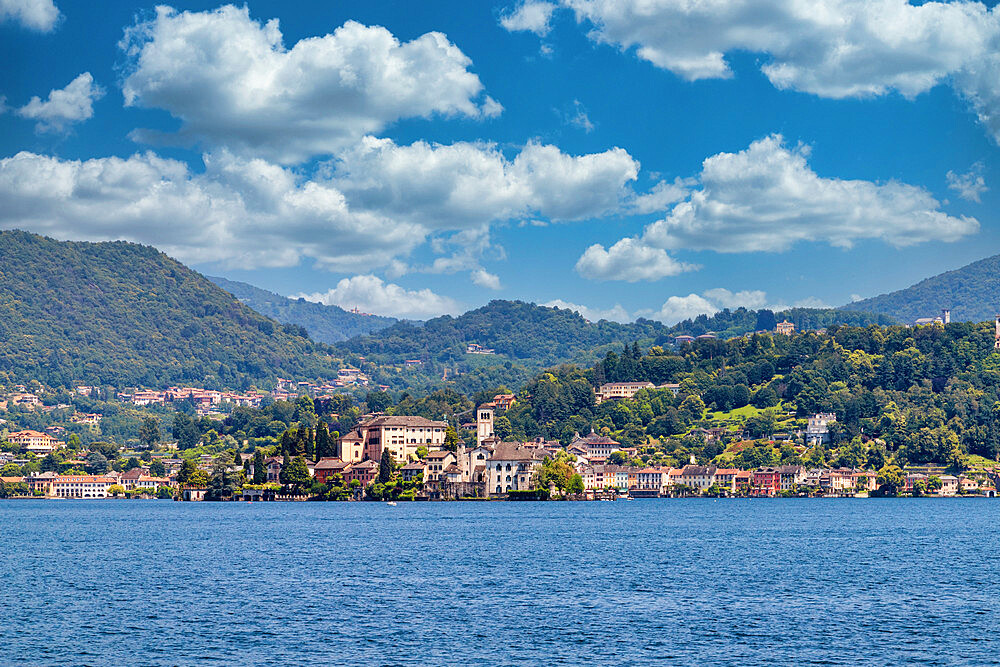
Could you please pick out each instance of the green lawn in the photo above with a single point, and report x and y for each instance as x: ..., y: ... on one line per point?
x: 737, y: 414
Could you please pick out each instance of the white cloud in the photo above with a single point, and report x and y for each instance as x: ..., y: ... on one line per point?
x: 677, y: 308
x: 232, y: 82
x: 240, y: 212
x: 747, y: 298
x: 970, y: 184
x: 529, y: 16
x: 40, y: 15
x: 616, y: 313
x: 483, y: 278
x: 467, y: 185
x: 629, y: 259
x: 830, y: 48
x: 367, y: 211
x: 578, y: 118
x: 766, y: 198
x: 856, y: 297
x: 372, y: 294
x: 72, y: 104
x: 662, y: 196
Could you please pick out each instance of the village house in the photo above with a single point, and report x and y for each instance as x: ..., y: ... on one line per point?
x: 818, y: 429
x: 437, y: 463
x: 616, y: 390
x: 412, y: 470
x: 35, y: 442
x: 80, y: 486
x: 327, y: 467
x: 365, y: 472
x: 511, y: 467
x: 401, y: 435
x: 766, y: 482
x: 785, y: 328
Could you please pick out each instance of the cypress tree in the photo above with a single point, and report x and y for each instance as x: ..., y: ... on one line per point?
x: 324, y: 444
x: 259, y: 469
x: 385, y: 467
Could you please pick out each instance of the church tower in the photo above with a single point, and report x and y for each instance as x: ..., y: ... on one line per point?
x: 484, y: 415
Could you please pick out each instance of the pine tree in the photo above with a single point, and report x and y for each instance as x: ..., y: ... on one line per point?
x: 285, y: 469
x: 238, y: 458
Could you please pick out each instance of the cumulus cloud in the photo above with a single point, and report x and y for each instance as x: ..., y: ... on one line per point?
x: 465, y: 185
x: 766, y: 198
x: 616, y: 313
x: 372, y: 294
x: 631, y: 260
x: 40, y: 15
x: 746, y: 298
x: 65, y: 106
x: 239, y: 212
x: 369, y: 209
x: 677, y: 308
x: 830, y: 48
x: 661, y: 196
x: 232, y: 82
x: 529, y: 16
x: 970, y: 184
x: 484, y: 278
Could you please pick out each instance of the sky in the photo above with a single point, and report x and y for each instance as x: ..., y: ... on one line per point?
x: 623, y: 158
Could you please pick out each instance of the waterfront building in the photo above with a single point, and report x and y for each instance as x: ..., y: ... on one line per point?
x: 402, y: 435
x: 327, y: 467
x: 511, y: 467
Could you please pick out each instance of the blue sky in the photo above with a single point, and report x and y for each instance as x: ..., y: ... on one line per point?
x: 629, y: 158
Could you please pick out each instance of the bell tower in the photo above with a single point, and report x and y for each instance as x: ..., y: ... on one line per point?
x: 484, y: 415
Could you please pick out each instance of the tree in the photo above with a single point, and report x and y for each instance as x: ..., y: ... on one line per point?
x: 451, y: 439
x: 378, y: 401
x: 199, y: 478
x: 502, y: 428
x: 149, y: 432
x: 890, y: 481
x: 305, y: 411
x: 50, y: 463
x: 766, y: 321
x: 185, y: 431
x: 296, y: 475
x: 223, y: 483
x: 116, y: 490
x: 131, y: 464
x: 157, y: 469
x: 325, y: 447
x: 575, y: 485
x: 934, y: 484
x: 385, y: 466
x: 97, y: 463
x: 259, y: 467
x: 10, y: 470
x: 188, y: 468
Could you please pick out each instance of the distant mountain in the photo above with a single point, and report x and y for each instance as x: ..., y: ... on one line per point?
x: 125, y: 314
x: 327, y: 324
x: 972, y: 293
x: 535, y: 336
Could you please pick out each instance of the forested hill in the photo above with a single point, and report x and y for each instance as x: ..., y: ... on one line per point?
x: 729, y: 323
x: 327, y: 324
x: 971, y: 292
x: 124, y: 314
x: 534, y: 336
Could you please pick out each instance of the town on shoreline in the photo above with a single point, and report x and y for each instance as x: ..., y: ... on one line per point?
x: 409, y: 457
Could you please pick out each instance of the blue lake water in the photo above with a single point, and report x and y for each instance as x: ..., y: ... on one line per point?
x: 625, y: 583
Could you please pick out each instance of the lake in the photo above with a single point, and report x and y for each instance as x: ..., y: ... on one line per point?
x: 678, y: 582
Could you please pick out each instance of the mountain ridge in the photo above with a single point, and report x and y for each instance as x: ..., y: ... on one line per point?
x: 971, y: 292
x: 326, y: 324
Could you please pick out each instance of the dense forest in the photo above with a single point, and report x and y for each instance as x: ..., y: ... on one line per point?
x: 326, y: 324
x: 971, y: 293
x: 729, y: 323
x: 125, y: 314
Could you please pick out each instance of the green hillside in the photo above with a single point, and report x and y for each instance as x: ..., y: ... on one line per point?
x: 971, y: 292
x: 729, y: 323
x: 124, y: 314
x: 327, y: 324
x: 535, y: 336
